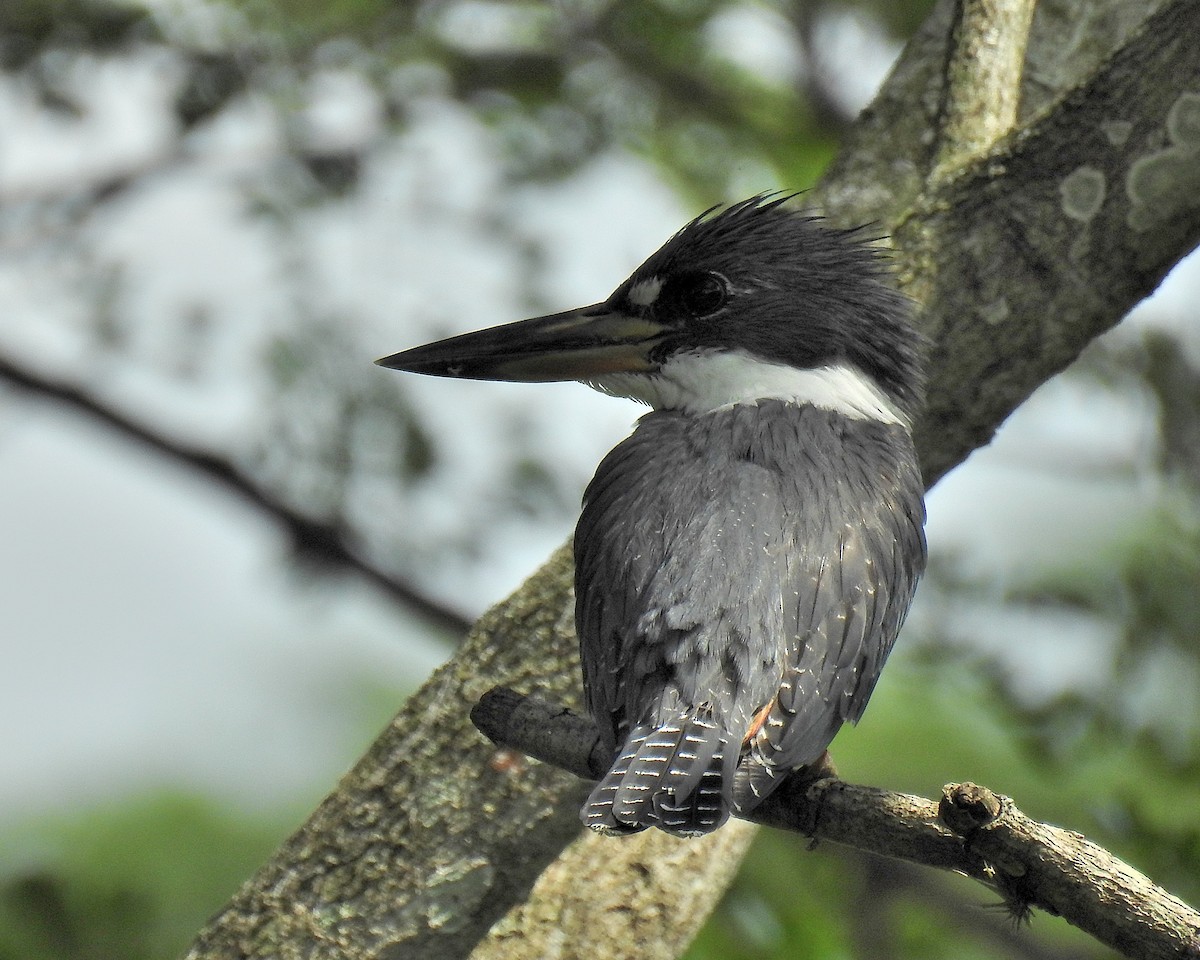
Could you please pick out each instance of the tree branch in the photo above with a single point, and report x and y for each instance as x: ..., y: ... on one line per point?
x: 983, y: 78
x: 605, y: 893
x: 971, y: 830
x: 328, y: 543
x: 1051, y: 239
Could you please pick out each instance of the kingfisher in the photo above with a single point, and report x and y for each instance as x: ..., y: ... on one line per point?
x: 745, y: 558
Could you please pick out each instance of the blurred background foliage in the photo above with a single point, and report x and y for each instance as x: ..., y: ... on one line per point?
x: 1070, y: 682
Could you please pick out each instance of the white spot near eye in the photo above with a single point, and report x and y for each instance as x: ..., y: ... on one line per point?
x: 645, y: 292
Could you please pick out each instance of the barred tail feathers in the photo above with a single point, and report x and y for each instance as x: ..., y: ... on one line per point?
x: 676, y: 776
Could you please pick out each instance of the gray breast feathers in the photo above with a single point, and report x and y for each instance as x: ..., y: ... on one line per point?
x: 759, y: 560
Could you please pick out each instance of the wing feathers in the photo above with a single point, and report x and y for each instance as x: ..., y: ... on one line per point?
x: 762, y: 555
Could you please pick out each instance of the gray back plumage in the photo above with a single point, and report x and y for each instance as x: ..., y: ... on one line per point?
x: 754, y: 562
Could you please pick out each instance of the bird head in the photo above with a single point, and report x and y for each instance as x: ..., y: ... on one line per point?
x: 752, y: 301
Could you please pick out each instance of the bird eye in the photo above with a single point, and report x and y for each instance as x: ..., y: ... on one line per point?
x: 703, y: 293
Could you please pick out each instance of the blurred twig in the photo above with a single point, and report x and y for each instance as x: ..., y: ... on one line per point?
x: 897, y: 880
x: 820, y: 83
x: 328, y: 543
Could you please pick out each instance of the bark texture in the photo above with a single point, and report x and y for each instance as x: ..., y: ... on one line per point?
x: 1019, y: 259
x: 600, y: 892
x: 980, y: 101
x: 435, y: 833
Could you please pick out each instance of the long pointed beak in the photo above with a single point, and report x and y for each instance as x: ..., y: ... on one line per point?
x: 575, y: 345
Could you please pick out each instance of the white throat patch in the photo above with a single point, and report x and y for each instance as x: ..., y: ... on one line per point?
x: 704, y: 382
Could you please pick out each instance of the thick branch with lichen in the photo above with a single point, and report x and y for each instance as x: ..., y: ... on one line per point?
x: 982, y: 89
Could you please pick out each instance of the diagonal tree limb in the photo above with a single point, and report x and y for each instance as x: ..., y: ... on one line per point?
x: 1019, y: 261
x: 1055, y: 236
x: 599, y: 892
x: 982, y: 87
x: 970, y: 830
x: 1063, y: 872
x: 325, y: 542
